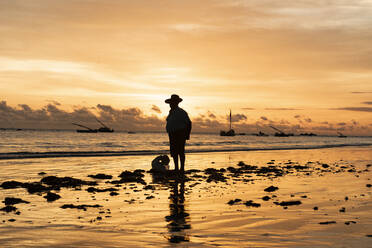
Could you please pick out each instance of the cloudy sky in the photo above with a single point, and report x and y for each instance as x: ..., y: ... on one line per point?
x: 300, y: 65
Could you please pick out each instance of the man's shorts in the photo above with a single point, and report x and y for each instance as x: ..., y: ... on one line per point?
x: 177, y: 142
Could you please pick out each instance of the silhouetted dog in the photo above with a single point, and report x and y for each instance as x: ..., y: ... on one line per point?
x: 160, y: 164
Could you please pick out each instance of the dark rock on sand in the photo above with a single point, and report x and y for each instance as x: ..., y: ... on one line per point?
x: 215, y: 175
x: 342, y: 210
x: 266, y: 198
x: 350, y: 222
x: 114, y: 193
x: 269, y: 171
x: 288, y: 203
x: 13, y: 201
x: 37, y: 187
x: 11, y: 185
x: 52, y: 197
x: 34, y: 187
x: 8, y: 209
x: 94, y: 190
x: 327, y: 222
x: 65, y: 182
x: 369, y: 185
x: 315, y: 208
x: 192, y: 171
x: 210, y: 170
x: 100, y: 176
x: 132, y: 177
x: 41, y: 173
x: 83, y: 206
x: 232, y: 202
x: 241, y: 163
x: 250, y: 203
x: 149, y: 187
x: 271, y: 189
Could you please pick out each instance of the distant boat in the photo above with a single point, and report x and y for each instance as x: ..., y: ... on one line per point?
x: 104, y: 128
x: 308, y: 134
x: 340, y: 135
x: 261, y: 134
x: 86, y: 130
x: 231, y: 132
x: 280, y: 133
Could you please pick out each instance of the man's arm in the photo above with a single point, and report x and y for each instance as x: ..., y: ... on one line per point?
x: 188, y: 127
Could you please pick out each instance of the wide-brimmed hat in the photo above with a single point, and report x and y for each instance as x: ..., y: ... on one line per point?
x: 174, y: 98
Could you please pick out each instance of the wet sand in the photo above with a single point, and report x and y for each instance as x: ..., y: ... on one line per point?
x: 299, y: 198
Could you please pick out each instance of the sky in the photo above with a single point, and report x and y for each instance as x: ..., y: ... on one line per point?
x: 302, y: 66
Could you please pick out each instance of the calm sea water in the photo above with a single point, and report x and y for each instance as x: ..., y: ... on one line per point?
x: 33, y: 143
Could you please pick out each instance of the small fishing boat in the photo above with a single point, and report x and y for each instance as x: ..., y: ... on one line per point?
x: 102, y: 129
x: 86, y: 130
x: 261, y: 134
x: 280, y: 133
x: 340, y: 135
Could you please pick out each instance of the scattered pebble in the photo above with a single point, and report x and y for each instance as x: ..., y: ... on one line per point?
x: 250, y: 203
x: 271, y: 189
x: 84, y: 206
x: 327, y: 222
x: 100, y: 176
x: 232, y: 202
x: 349, y: 222
x: 52, y: 197
x: 288, y: 203
x: 8, y: 209
x: 13, y: 201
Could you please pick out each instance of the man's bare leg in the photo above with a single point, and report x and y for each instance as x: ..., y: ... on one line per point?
x: 175, y: 160
x: 182, y: 159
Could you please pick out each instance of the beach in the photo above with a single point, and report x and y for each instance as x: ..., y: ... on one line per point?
x: 278, y: 198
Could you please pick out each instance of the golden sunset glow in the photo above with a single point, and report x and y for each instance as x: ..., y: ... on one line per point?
x: 303, y: 65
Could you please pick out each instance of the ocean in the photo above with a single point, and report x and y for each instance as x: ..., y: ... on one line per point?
x: 45, y: 143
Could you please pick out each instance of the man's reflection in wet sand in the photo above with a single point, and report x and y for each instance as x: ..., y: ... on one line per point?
x: 178, y: 219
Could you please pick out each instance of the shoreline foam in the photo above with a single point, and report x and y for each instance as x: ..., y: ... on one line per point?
x: 61, y: 154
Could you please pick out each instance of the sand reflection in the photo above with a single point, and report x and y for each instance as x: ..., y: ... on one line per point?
x: 178, y: 219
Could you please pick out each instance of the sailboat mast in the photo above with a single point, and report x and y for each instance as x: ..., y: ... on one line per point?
x: 230, y: 119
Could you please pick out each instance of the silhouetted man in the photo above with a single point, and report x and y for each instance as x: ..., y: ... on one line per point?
x: 178, y: 129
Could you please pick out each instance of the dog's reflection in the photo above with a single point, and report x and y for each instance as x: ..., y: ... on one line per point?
x: 178, y: 220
